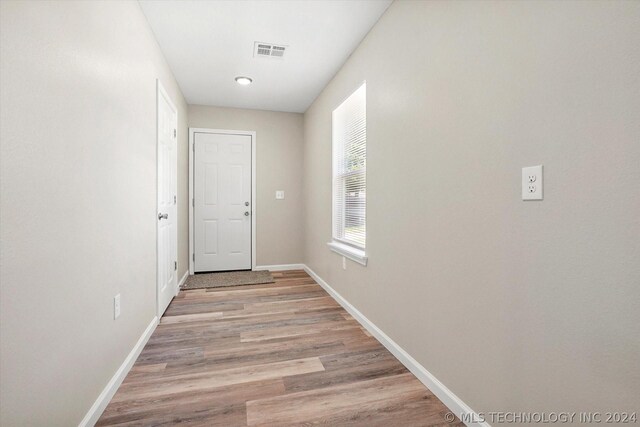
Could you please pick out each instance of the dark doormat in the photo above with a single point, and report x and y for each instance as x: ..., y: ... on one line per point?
x: 227, y: 278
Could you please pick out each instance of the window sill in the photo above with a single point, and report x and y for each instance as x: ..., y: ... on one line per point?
x: 357, y: 255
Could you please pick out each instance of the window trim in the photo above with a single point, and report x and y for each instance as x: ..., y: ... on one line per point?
x: 345, y: 248
x: 353, y: 253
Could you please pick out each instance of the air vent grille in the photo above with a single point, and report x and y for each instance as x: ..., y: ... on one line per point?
x: 268, y: 50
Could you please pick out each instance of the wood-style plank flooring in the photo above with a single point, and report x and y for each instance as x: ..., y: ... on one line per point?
x: 282, y: 354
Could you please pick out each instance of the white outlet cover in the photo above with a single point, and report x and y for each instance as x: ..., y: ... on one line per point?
x: 280, y: 194
x: 532, y: 183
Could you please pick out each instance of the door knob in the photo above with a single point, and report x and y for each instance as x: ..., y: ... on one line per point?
x: 246, y: 213
x: 161, y: 216
x: 246, y: 203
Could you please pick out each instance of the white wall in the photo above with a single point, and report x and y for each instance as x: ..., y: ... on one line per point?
x: 78, y: 200
x: 512, y: 305
x: 279, y: 139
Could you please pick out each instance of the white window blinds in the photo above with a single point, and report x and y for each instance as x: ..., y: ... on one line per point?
x: 350, y: 169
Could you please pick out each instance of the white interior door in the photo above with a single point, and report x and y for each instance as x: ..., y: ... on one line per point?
x: 167, y: 198
x: 222, y: 202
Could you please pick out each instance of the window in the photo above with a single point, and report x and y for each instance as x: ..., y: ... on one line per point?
x: 349, y: 122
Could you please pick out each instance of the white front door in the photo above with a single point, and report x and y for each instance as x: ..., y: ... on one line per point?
x: 166, y: 215
x: 222, y: 202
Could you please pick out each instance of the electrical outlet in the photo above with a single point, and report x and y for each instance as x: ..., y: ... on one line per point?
x: 280, y: 194
x: 532, y: 183
x: 116, y: 306
x: 344, y: 263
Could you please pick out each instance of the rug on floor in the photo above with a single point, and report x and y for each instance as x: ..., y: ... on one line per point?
x: 227, y: 278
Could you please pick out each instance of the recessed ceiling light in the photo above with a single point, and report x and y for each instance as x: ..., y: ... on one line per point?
x: 244, y: 81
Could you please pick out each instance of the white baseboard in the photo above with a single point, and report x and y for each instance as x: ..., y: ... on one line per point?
x: 280, y: 267
x: 103, y: 400
x: 451, y: 401
x: 181, y: 282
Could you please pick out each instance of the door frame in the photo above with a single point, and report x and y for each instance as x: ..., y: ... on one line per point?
x: 252, y: 134
x: 161, y: 91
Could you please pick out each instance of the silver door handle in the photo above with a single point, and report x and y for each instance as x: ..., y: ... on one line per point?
x: 246, y: 213
x: 161, y: 216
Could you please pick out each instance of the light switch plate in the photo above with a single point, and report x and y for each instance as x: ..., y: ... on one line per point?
x: 280, y: 194
x: 532, y: 183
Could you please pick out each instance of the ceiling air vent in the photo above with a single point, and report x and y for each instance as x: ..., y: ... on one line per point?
x: 268, y: 50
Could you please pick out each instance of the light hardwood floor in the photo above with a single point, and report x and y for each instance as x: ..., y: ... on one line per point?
x: 282, y: 354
